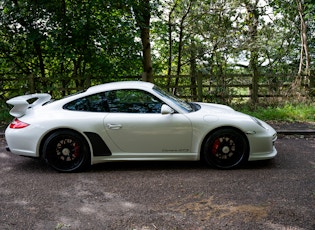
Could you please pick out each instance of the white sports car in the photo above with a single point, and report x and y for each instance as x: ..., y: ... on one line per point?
x: 126, y: 121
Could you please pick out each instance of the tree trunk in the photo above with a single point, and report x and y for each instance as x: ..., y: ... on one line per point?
x: 170, y: 46
x: 146, y: 50
x: 179, y: 58
x: 304, y: 46
x: 142, y: 12
x: 180, y: 46
x: 193, y: 73
x: 252, y: 18
x: 39, y: 53
x: 255, y: 76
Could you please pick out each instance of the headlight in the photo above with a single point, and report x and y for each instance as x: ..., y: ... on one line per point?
x: 258, y: 122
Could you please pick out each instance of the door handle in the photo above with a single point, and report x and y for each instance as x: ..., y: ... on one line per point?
x: 114, y: 126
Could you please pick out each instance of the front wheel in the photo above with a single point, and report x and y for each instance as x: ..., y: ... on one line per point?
x: 66, y: 151
x: 226, y: 148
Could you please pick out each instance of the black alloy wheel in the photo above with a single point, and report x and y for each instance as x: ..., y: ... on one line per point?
x: 66, y: 151
x: 226, y: 148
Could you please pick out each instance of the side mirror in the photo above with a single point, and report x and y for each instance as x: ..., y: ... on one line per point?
x: 165, y: 109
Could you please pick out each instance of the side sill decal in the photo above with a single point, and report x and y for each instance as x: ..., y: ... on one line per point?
x: 98, y: 145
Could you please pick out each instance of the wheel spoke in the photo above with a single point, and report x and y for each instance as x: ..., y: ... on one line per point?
x: 66, y: 151
x: 227, y: 148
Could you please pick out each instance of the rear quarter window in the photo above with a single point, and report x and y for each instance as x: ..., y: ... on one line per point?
x: 92, y: 103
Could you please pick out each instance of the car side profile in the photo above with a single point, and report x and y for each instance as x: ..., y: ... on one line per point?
x: 133, y: 121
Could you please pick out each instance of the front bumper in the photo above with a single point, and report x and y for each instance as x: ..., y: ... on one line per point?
x: 262, y: 145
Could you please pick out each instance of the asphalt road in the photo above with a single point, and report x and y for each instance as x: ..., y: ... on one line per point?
x: 277, y: 194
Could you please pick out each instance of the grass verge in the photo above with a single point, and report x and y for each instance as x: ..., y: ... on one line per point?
x: 287, y: 112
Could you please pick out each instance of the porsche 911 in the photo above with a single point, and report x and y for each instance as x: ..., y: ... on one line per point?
x: 133, y: 121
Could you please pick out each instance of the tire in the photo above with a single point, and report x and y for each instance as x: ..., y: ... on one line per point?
x: 66, y: 151
x: 226, y: 149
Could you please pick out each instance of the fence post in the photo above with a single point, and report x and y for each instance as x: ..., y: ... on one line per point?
x: 199, y: 85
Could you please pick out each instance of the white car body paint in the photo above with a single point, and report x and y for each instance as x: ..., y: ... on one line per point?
x: 135, y: 136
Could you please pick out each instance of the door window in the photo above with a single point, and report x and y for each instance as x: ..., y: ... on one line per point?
x: 132, y: 101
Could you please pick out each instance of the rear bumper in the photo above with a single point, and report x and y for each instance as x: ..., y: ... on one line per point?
x: 21, y: 141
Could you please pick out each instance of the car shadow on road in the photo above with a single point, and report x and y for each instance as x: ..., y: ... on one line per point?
x: 148, y: 166
x: 24, y: 164
x: 33, y: 165
x: 263, y: 164
x: 173, y: 165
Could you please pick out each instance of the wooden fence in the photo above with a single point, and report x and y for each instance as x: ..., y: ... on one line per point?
x: 235, y: 87
x: 224, y: 89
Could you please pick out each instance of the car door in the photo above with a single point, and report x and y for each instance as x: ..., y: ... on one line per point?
x: 135, y: 124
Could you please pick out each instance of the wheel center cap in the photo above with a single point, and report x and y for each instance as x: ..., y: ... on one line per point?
x: 225, y: 149
x: 66, y: 151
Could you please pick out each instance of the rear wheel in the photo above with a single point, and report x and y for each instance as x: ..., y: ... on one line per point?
x: 226, y: 148
x: 66, y: 151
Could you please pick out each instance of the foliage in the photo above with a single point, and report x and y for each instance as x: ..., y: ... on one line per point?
x: 221, y: 37
x: 287, y: 112
x: 5, y: 117
x: 62, y: 46
x: 73, y: 43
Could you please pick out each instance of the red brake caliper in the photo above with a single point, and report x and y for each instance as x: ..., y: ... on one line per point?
x: 76, y: 150
x: 215, y: 146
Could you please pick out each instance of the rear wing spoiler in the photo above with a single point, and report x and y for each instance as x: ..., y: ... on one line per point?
x: 21, y: 104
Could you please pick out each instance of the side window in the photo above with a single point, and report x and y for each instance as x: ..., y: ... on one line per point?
x: 117, y: 101
x: 92, y: 103
x: 132, y: 101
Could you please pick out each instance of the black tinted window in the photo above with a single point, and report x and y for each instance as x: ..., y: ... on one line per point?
x: 118, y: 101
x: 92, y: 103
x: 132, y: 101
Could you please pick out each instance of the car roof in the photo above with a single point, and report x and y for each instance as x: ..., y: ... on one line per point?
x: 120, y: 85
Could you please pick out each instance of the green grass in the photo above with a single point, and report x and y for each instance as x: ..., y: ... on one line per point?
x: 287, y: 112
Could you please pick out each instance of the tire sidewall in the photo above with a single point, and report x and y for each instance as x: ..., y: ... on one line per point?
x: 237, y: 135
x: 62, y: 134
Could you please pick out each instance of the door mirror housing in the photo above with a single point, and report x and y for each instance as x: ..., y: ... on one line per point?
x: 165, y: 109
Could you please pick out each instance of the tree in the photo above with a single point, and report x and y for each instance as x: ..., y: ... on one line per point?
x: 182, y: 26
x: 304, y: 55
x: 75, y: 43
x: 303, y: 18
x: 142, y: 9
x: 81, y: 43
x: 252, y: 23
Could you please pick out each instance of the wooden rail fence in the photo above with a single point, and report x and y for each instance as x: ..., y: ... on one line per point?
x: 223, y: 88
